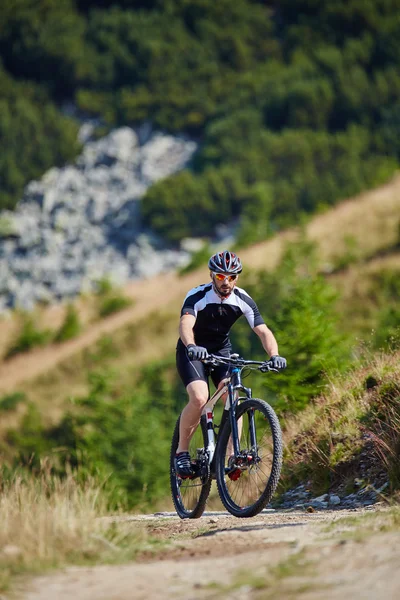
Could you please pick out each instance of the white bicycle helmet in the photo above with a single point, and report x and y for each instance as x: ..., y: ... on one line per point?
x: 225, y: 262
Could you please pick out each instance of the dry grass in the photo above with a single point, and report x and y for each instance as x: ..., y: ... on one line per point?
x: 357, y: 414
x: 127, y: 350
x: 47, y: 522
x: 370, y: 221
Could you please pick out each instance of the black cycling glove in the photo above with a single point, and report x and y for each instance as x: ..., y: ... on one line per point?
x: 278, y: 362
x: 196, y: 352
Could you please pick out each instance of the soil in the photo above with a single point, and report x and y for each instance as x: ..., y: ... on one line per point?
x: 292, y: 554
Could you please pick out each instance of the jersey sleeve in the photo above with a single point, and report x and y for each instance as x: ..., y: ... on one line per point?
x: 249, y: 309
x: 193, y: 300
x: 189, y: 306
x: 253, y: 315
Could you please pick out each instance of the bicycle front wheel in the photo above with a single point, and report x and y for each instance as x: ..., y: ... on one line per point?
x: 190, y: 495
x: 246, y: 483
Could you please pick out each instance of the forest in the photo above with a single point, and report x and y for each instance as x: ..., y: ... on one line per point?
x: 295, y: 105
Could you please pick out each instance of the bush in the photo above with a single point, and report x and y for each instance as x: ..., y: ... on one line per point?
x: 10, y: 401
x: 28, y: 337
x: 110, y: 299
x: 110, y: 433
x: 300, y: 308
x: 112, y: 304
x: 71, y: 327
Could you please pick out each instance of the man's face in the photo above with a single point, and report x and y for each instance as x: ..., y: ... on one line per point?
x: 224, y: 282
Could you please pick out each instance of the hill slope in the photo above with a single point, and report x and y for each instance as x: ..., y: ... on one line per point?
x: 363, y: 226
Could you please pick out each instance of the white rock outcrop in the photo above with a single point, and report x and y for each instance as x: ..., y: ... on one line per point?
x: 81, y: 223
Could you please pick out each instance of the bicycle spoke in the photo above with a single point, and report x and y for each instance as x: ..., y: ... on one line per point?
x: 246, y: 486
x: 190, y: 495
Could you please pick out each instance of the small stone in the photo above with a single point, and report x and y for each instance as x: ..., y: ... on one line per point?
x: 334, y: 499
x: 213, y: 520
x: 322, y: 498
x: 310, y: 509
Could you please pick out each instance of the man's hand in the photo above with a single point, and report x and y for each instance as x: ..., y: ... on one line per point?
x: 196, y: 352
x: 278, y: 362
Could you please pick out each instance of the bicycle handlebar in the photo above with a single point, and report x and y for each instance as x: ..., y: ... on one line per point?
x: 236, y: 361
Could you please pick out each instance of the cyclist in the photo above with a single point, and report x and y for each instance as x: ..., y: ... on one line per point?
x: 207, y: 315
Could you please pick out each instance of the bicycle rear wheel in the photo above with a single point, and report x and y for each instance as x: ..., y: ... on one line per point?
x: 246, y: 484
x: 190, y: 495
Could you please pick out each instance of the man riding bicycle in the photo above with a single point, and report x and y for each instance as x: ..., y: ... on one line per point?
x: 207, y: 315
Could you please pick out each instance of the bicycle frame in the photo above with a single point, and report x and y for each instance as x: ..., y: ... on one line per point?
x: 232, y: 385
x: 230, y: 451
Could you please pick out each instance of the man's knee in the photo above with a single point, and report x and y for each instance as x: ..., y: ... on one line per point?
x: 198, y: 394
x: 197, y: 400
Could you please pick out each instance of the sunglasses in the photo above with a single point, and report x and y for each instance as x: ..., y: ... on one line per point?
x: 222, y: 277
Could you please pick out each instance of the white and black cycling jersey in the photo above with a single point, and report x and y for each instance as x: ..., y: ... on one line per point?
x: 215, y: 316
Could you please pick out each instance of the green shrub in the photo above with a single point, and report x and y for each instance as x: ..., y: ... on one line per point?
x: 113, y: 303
x: 28, y: 337
x: 111, y: 433
x: 300, y: 308
x: 10, y: 401
x: 71, y: 327
x: 104, y: 286
x: 111, y: 300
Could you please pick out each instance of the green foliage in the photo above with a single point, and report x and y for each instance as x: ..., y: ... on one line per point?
x: 28, y: 337
x: 34, y: 135
x: 298, y: 104
x: 121, y: 436
x: 350, y: 254
x: 6, y: 227
x: 110, y: 299
x: 299, y: 306
x: 10, y: 401
x: 71, y: 327
x: 296, y: 172
x: 112, y: 304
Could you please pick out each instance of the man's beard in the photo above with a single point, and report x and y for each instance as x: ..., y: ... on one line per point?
x: 220, y: 293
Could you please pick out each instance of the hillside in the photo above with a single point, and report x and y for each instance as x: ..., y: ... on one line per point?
x: 295, y: 106
x: 339, y: 233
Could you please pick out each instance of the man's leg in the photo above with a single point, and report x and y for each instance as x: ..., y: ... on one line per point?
x: 190, y: 417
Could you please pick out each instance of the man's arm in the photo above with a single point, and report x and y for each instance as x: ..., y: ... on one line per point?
x: 268, y: 340
x: 186, y: 325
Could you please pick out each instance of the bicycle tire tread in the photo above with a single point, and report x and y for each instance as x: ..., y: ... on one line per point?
x: 201, y: 504
x: 273, y: 479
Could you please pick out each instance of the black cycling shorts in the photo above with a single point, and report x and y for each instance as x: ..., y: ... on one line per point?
x: 197, y: 371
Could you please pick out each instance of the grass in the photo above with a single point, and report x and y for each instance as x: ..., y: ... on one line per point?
x: 365, y: 525
x: 358, y: 414
x: 70, y: 327
x: 49, y: 522
x: 110, y: 299
x: 28, y: 337
x: 127, y: 349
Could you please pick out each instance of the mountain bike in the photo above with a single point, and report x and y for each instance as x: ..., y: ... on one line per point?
x: 243, y: 452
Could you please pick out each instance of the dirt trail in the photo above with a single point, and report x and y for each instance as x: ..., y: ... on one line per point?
x: 273, y: 555
x: 376, y: 211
